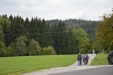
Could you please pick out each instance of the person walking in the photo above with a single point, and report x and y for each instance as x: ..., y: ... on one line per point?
x: 93, y: 51
x: 79, y: 58
x: 85, y: 58
x: 96, y: 51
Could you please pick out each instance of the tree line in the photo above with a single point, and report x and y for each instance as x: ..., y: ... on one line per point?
x: 20, y: 37
x: 88, y: 25
x: 24, y: 37
x: 100, y: 33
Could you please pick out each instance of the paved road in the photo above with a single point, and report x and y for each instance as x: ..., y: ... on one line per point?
x: 108, y: 70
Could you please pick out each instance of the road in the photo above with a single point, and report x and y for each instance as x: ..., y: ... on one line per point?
x: 107, y: 70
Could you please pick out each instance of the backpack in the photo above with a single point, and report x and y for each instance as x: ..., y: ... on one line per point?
x: 79, y: 57
x: 85, y: 56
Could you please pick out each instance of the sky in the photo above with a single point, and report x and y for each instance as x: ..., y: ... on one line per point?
x: 57, y: 9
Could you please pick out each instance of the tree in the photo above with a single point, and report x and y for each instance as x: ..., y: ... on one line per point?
x: 105, y: 31
x: 27, y: 28
x: 54, y: 30
x: 1, y: 28
x: 59, y: 37
x: 33, y: 48
x: 2, y: 49
x: 6, y: 30
x: 2, y: 44
x: 72, y: 43
x: 17, y: 28
x: 9, y: 51
x: 82, y: 40
x: 20, y: 46
x: 48, y: 51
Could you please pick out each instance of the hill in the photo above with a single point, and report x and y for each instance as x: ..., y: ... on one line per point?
x: 88, y: 25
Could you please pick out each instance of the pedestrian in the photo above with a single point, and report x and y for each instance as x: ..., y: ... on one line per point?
x: 93, y: 51
x: 79, y: 58
x: 96, y: 51
x: 85, y: 58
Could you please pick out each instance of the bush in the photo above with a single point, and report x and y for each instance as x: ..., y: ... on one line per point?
x: 2, y: 49
x: 2, y: 52
x: 9, y: 51
x: 33, y: 48
x: 48, y: 51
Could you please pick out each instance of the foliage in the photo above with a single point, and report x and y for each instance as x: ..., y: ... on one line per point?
x: 9, y: 51
x: 2, y: 52
x: 105, y: 31
x: 97, y: 45
x: 33, y: 48
x: 82, y: 40
x: 59, y: 35
x: 2, y: 49
x: 72, y: 43
x: 20, y: 46
x: 48, y: 51
x: 1, y: 28
x: 87, y: 25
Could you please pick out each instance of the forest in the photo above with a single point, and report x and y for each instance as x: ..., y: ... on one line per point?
x: 88, y: 25
x: 36, y: 36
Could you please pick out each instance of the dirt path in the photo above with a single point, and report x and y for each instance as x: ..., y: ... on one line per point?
x: 72, y: 67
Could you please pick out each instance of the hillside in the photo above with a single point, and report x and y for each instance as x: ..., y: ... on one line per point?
x: 88, y: 25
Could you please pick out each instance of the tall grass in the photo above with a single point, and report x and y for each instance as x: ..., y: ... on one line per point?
x: 100, y: 59
x: 22, y: 64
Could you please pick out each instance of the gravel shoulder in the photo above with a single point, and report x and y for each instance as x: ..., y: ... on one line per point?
x: 72, y: 67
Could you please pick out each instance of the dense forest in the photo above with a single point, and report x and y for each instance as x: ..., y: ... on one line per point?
x: 88, y: 25
x: 36, y: 36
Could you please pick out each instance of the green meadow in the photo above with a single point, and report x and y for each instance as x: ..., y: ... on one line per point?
x: 22, y: 64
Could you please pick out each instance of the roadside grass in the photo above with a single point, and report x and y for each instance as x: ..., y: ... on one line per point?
x: 100, y: 59
x: 23, y: 64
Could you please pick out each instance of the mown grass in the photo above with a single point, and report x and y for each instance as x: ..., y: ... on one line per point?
x: 22, y: 64
x: 100, y: 59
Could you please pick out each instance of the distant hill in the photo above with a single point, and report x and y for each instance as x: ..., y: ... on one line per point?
x: 88, y: 25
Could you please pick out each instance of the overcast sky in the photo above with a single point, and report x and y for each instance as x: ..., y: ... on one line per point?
x: 57, y: 9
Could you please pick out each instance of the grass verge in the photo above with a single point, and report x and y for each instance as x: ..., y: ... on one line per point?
x: 22, y: 64
x: 100, y: 59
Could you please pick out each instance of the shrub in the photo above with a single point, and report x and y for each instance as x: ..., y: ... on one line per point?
x: 48, y: 51
x: 34, y: 48
x: 9, y: 51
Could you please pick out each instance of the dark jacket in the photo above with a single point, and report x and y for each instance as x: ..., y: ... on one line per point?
x: 79, y: 57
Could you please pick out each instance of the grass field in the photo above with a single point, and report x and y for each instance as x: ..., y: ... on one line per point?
x: 100, y: 59
x: 22, y: 64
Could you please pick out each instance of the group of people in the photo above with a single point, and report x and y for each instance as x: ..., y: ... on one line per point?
x: 95, y: 51
x: 85, y: 58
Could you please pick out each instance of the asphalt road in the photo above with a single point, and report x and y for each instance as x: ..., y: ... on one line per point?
x: 108, y: 70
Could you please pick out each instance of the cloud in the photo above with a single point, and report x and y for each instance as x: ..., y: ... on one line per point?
x: 57, y: 9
